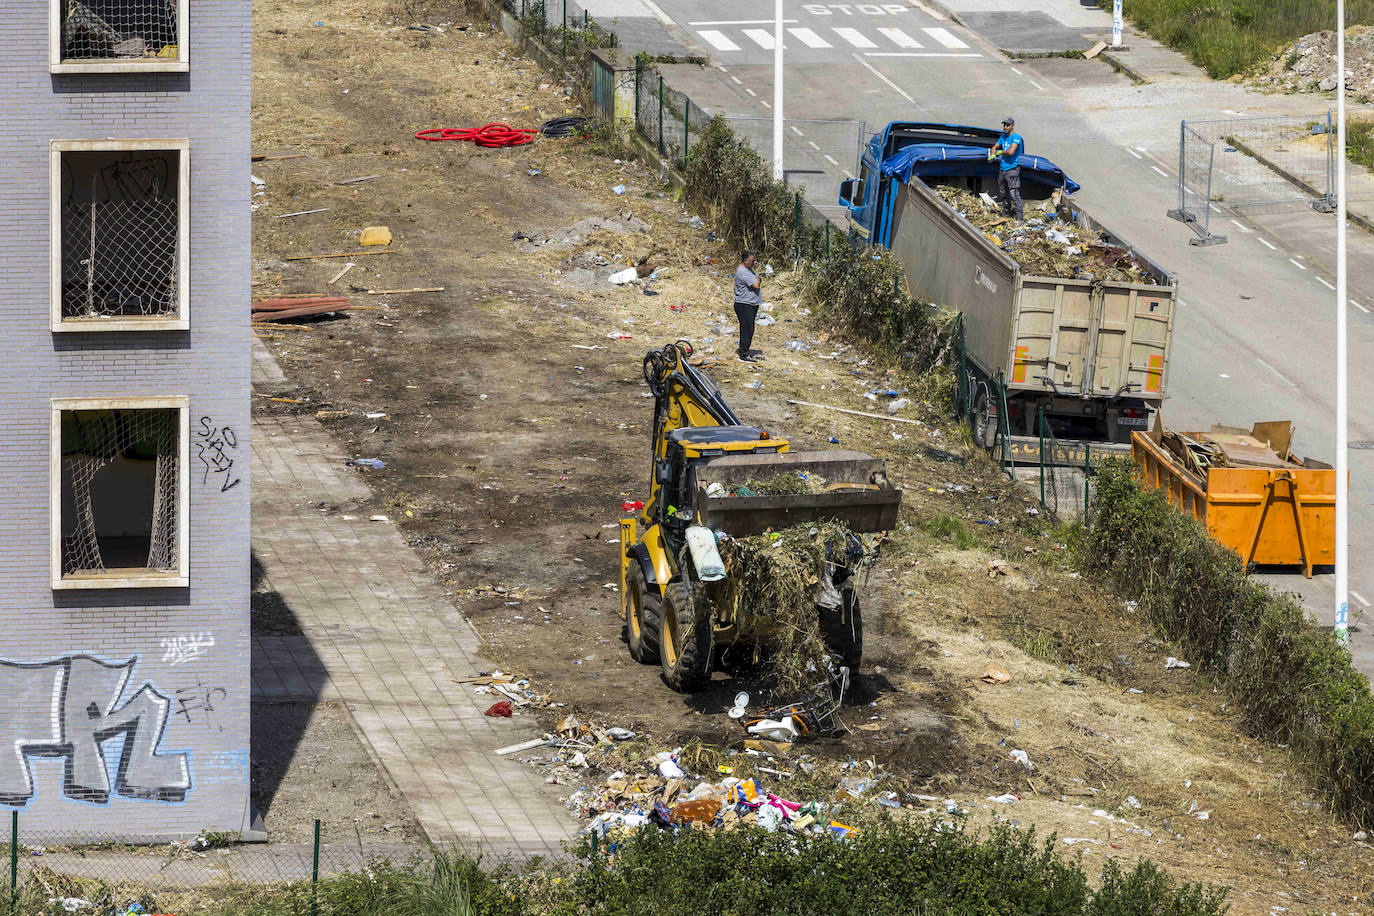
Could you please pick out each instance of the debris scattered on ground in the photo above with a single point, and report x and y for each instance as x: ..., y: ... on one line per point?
x: 1309, y: 64
x: 280, y: 309
x: 374, y: 235
x: 1045, y: 245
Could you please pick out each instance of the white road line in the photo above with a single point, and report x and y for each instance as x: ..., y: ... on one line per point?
x: 944, y: 37
x: 1296, y: 264
x: 967, y: 54
x: 1134, y: 153
x: 899, y: 38
x: 812, y: 144
x: 1162, y: 173
x: 831, y: 159
x: 765, y: 104
x: 1017, y: 72
x: 847, y: 173
x: 751, y: 92
x: 761, y: 38
x: 809, y: 38
x: 855, y: 37
x: 1038, y: 87
x: 721, y: 69
x: 1281, y: 376
x: 1324, y: 283
x: 1265, y: 243
x: 717, y: 40
x: 1241, y: 226
x: 793, y: 128
x: 1358, y: 597
x: 1358, y: 306
x: 900, y: 91
x: 1181, y: 303
x: 738, y: 22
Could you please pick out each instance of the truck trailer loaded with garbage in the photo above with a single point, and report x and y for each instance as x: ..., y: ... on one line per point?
x: 1063, y: 313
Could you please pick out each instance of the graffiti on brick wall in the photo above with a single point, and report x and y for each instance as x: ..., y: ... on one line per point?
x: 180, y: 649
x: 217, y: 448
x: 199, y: 702
x: 80, y: 709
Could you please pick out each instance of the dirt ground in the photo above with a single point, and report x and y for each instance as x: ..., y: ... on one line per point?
x: 515, y: 421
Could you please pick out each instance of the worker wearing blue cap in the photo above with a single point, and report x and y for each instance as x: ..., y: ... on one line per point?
x: 1007, y: 151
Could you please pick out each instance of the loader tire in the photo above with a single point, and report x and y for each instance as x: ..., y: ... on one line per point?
x: 685, y: 650
x: 643, y: 617
x: 843, y: 629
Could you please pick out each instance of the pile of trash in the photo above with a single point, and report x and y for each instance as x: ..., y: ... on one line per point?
x: 779, y: 485
x: 1309, y: 64
x: 1048, y: 245
x: 623, y: 785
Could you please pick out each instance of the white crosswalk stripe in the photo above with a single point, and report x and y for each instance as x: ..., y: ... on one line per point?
x: 945, y: 37
x: 855, y: 37
x: 761, y: 38
x: 809, y: 38
x: 718, y: 40
x: 878, y: 41
x: 899, y: 38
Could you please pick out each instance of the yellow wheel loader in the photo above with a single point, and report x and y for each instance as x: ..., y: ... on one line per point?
x: 670, y: 568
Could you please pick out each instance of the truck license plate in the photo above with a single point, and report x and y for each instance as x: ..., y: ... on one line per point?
x: 1132, y: 421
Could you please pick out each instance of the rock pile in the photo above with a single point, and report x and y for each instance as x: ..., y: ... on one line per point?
x: 1309, y: 64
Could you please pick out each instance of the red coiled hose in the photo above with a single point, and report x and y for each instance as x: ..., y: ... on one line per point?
x: 492, y: 136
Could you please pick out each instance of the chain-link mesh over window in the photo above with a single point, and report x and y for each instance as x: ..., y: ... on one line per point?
x: 120, y: 245
x: 119, y: 490
x: 119, y: 30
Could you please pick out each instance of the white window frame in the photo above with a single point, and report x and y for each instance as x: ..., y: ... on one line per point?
x: 182, y: 64
x: 178, y: 579
x: 182, y: 320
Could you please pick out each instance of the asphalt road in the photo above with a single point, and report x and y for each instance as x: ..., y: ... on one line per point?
x: 1255, y: 329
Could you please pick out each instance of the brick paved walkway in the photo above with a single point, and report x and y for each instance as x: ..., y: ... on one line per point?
x: 380, y: 636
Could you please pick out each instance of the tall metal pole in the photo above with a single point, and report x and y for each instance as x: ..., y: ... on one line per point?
x: 1342, y: 471
x: 777, y: 90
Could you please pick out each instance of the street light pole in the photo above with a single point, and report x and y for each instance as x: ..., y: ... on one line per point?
x: 1342, y: 292
x: 777, y: 90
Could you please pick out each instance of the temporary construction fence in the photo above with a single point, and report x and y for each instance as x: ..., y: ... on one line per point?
x: 65, y: 872
x: 1268, y: 162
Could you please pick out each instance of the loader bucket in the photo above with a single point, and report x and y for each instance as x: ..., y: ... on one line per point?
x: 857, y: 492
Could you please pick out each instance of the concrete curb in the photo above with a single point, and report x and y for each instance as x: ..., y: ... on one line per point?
x: 1135, y: 75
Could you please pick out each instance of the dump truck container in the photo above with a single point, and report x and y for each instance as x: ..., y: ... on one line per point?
x: 1247, y: 489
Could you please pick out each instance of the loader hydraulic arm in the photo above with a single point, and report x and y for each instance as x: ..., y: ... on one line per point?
x: 682, y: 395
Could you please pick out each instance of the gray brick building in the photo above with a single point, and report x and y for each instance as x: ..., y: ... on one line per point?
x: 124, y: 510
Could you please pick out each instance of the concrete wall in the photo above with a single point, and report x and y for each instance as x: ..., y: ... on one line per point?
x: 124, y: 713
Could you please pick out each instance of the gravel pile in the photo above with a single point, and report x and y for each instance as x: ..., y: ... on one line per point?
x: 1309, y: 64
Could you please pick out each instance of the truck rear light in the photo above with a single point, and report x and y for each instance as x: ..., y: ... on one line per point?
x: 1132, y: 412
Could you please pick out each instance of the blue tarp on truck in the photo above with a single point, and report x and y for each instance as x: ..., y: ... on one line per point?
x: 943, y: 160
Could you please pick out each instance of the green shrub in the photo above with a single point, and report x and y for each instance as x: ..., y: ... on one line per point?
x: 727, y: 178
x: 1291, y: 680
x: 893, y: 867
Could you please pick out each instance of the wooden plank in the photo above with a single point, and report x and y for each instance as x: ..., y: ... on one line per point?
x: 414, y: 289
x: 300, y: 213
x: 356, y: 180
x: 342, y: 254
x: 857, y: 413
x: 272, y: 305
x: 258, y: 157
x: 298, y: 312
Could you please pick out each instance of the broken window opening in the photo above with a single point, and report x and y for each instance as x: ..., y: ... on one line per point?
x: 119, y: 492
x: 120, y: 234
x: 122, y: 30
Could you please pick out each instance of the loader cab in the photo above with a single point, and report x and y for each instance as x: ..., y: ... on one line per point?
x: 691, y: 447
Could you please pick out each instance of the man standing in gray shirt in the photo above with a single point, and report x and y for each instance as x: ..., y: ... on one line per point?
x: 748, y: 298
